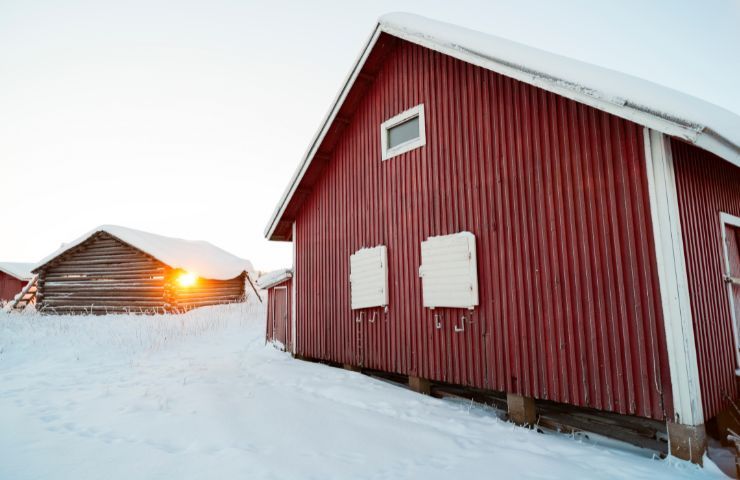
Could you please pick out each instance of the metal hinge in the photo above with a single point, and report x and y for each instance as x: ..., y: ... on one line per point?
x: 732, y: 280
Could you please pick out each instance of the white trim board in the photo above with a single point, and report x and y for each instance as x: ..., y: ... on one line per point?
x: 293, y: 318
x: 674, y: 290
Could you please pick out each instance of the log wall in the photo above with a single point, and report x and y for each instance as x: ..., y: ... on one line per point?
x: 203, y: 293
x: 102, y: 275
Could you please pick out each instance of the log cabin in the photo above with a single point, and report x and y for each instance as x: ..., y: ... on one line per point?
x: 114, y: 269
x: 13, y: 277
x: 477, y: 212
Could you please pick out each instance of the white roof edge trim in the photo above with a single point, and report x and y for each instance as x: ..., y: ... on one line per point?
x: 697, y: 134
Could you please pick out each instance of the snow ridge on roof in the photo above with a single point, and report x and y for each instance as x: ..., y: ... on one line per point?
x: 676, y: 113
x: 202, y: 258
x: 19, y: 270
x: 273, y: 278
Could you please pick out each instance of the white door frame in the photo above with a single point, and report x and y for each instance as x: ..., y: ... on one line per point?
x: 733, y: 221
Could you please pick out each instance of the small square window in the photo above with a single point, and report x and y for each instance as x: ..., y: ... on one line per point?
x: 404, y: 132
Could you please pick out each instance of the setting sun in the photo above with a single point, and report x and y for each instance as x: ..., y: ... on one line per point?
x: 187, y: 279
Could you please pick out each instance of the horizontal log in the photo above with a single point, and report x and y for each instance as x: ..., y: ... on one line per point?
x: 106, y: 277
x: 211, y: 284
x: 205, y: 297
x: 111, y: 255
x: 108, y: 260
x: 204, y: 303
x: 102, y: 293
x: 99, y: 270
x: 104, y: 240
x: 225, y: 288
x: 180, y: 298
x: 189, y: 298
x: 101, y: 310
x: 85, y: 282
x: 106, y: 264
x: 111, y: 303
x: 103, y: 300
x: 104, y: 288
x: 108, y: 252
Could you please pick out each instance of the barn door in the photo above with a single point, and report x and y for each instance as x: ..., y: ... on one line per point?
x: 280, y: 323
x: 731, y: 236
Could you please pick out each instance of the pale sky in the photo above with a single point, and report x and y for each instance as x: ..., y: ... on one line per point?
x: 188, y: 118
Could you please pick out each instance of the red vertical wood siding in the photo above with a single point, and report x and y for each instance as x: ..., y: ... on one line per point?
x: 271, y: 335
x: 707, y: 185
x: 556, y: 194
x: 10, y: 286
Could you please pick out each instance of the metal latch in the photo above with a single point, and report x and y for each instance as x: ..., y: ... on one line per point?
x: 437, y: 323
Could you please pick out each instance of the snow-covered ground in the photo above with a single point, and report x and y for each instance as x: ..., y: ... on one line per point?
x: 201, y: 396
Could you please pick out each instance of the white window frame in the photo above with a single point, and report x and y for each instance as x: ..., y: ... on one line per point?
x: 420, y: 141
x: 733, y: 221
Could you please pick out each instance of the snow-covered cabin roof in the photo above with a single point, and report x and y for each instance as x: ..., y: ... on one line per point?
x: 273, y: 278
x: 19, y: 270
x: 672, y: 112
x: 202, y: 258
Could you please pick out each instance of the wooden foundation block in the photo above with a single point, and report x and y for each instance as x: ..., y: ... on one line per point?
x: 420, y: 385
x: 351, y: 368
x: 687, y: 442
x: 522, y: 410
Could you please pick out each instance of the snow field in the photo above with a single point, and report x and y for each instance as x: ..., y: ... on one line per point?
x: 200, y: 395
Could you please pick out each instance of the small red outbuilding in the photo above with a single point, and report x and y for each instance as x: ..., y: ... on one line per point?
x: 279, y: 287
x: 479, y: 212
x: 13, y: 277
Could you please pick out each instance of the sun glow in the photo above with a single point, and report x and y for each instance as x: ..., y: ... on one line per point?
x: 187, y: 279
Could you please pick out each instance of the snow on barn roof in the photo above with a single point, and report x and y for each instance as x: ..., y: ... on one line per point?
x: 273, y: 278
x: 19, y: 270
x: 669, y: 111
x: 196, y: 256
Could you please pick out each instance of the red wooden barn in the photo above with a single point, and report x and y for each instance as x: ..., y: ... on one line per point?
x: 279, y: 287
x: 482, y: 213
x: 13, y: 277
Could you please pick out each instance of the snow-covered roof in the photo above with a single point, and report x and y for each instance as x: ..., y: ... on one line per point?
x: 273, y: 278
x: 202, y: 258
x: 672, y: 112
x: 19, y: 270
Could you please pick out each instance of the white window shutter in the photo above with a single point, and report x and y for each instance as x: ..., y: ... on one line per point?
x: 368, y: 276
x: 449, y: 272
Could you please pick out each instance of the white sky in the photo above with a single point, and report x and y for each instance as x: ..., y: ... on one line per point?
x: 188, y: 118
